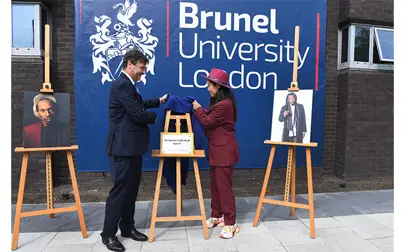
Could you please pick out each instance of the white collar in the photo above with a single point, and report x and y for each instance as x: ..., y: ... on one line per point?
x: 129, y: 77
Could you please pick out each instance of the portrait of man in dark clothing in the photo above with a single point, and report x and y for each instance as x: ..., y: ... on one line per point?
x: 46, y: 129
x: 293, y: 116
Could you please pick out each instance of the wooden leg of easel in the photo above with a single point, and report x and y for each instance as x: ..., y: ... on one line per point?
x: 181, y: 205
x: 20, y: 198
x: 293, y: 179
x: 265, y: 183
x: 156, y: 200
x: 200, y: 197
x: 288, y: 174
x: 76, y: 193
x: 178, y: 187
x: 310, y: 194
x: 181, y: 198
x: 49, y: 186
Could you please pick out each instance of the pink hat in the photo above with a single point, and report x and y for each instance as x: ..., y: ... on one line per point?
x: 218, y: 76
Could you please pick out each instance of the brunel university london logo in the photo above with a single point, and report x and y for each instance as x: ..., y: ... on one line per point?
x: 111, y: 43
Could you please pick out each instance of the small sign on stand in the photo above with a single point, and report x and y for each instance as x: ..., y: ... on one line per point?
x: 177, y: 143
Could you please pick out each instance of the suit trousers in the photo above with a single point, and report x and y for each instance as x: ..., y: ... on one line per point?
x: 222, y: 196
x: 120, y: 205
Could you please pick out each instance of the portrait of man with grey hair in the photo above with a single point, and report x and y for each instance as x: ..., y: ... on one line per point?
x: 46, y: 125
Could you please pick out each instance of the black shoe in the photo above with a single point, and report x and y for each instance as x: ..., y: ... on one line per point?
x: 134, y: 235
x: 113, y: 244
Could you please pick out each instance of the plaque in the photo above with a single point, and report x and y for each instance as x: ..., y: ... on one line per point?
x: 177, y: 143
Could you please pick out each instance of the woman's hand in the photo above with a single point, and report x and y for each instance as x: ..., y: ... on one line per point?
x: 196, y: 105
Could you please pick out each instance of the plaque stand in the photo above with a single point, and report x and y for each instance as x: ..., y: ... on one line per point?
x: 291, y: 165
x: 46, y: 88
x: 194, y: 156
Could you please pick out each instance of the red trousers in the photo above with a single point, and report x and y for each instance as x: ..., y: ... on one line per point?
x: 223, y: 199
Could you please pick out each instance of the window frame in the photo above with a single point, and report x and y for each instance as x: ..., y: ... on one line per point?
x: 351, y: 63
x: 36, y: 50
x: 379, y: 42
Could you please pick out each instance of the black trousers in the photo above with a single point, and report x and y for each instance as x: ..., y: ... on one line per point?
x: 120, y: 206
x: 297, y: 139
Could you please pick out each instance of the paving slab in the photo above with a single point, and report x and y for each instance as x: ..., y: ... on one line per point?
x: 258, y: 243
x: 344, y: 222
x: 384, y: 244
x: 165, y: 246
x: 387, y: 219
x: 29, y: 242
x: 324, y: 223
x: 345, y: 239
x: 365, y: 226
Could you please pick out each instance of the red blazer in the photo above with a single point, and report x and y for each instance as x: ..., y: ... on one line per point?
x: 32, y: 135
x: 219, y: 127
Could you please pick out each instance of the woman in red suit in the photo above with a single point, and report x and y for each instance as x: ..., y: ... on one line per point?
x: 219, y: 123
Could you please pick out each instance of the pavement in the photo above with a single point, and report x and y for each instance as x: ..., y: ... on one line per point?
x: 344, y: 221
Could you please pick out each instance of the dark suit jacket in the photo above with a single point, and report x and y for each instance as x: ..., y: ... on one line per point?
x: 301, y: 123
x: 128, y: 131
x: 219, y: 127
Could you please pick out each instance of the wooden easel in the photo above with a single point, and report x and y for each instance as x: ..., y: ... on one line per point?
x: 291, y: 165
x: 197, y: 154
x: 46, y: 88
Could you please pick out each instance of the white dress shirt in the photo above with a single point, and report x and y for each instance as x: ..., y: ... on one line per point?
x: 132, y: 81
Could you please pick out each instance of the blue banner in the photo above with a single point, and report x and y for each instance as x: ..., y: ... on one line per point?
x: 252, y: 40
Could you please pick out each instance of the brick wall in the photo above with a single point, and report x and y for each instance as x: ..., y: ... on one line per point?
x: 27, y: 75
x: 344, y: 9
x: 364, y: 125
x: 62, y: 69
x: 350, y: 141
x: 364, y: 135
x: 340, y: 144
x: 377, y: 10
x: 368, y: 123
x: 331, y: 87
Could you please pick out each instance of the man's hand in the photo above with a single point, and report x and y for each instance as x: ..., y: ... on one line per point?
x: 286, y: 113
x: 163, y: 98
x: 196, y: 105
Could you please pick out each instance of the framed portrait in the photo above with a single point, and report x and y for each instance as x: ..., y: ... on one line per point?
x: 46, y: 120
x: 292, y: 116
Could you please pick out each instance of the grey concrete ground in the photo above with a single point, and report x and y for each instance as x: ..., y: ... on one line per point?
x: 345, y: 221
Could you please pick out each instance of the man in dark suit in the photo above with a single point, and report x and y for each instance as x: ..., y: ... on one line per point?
x: 127, y: 141
x: 293, y: 116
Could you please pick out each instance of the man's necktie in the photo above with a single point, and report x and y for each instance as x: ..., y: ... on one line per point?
x: 137, y: 90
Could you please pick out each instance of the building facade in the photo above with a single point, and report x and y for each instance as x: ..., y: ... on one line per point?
x: 358, y: 128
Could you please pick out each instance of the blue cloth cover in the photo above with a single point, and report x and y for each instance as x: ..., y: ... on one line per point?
x: 180, y: 106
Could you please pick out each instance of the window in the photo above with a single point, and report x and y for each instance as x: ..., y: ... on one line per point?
x: 28, y: 28
x: 366, y: 47
x: 345, y: 45
x: 385, y: 44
